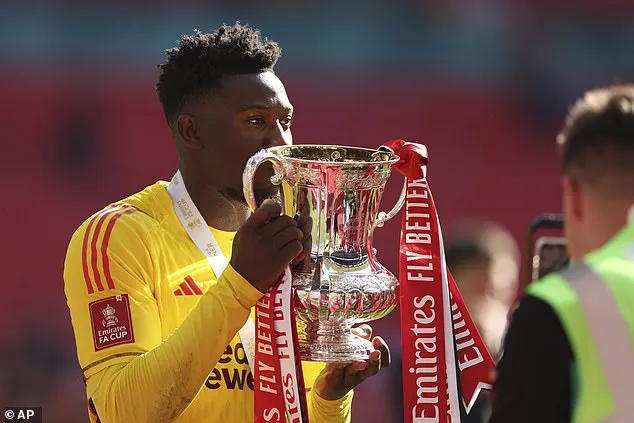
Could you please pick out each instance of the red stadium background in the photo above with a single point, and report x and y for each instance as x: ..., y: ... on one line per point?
x: 484, y: 84
x: 485, y: 162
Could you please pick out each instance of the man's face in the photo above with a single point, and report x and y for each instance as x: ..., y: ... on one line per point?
x: 481, y: 279
x: 247, y: 113
x: 473, y: 277
x: 573, y: 216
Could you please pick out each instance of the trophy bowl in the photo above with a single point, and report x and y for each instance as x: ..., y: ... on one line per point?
x: 340, y: 283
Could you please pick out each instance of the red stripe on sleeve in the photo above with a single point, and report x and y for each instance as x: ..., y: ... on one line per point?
x: 186, y: 289
x: 93, y: 247
x: 193, y: 285
x: 104, y: 245
x: 84, y: 256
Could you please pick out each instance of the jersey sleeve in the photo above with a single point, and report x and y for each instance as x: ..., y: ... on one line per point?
x: 319, y: 409
x: 109, y: 283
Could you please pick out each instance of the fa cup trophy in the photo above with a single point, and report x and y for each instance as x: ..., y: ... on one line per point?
x: 341, y: 283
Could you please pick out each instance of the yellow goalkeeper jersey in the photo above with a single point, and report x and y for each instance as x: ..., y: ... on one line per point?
x: 152, y: 321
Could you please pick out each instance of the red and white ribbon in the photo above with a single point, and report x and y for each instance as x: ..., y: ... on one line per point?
x: 436, y: 335
x: 279, y: 381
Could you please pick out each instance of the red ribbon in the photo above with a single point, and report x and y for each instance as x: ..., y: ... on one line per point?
x: 427, y: 385
x: 279, y: 381
x: 474, y: 361
x: 268, y: 399
x: 303, y: 405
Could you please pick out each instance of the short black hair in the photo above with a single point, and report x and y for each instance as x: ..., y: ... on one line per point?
x: 195, y: 66
x: 478, y: 242
x: 597, y: 140
x: 467, y: 250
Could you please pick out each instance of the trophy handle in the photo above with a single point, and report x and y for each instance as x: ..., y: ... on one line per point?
x: 383, y: 217
x: 248, y: 176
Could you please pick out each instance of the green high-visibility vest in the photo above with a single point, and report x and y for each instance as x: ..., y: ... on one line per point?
x: 594, y: 300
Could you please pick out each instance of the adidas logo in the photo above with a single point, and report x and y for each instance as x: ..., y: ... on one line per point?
x: 188, y: 287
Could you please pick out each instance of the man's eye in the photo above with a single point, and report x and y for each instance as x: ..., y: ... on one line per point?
x: 256, y: 121
x: 286, y: 121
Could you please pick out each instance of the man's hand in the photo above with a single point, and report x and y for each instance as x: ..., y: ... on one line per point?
x: 305, y: 223
x: 265, y: 245
x: 336, y: 380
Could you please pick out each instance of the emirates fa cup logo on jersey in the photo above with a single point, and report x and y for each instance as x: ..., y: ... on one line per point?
x: 111, y: 321
x: 109, y: 318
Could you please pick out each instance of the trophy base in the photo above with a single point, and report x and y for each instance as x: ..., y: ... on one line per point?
x: 339, y: 347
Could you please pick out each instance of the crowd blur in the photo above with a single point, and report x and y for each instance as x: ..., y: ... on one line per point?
x: 484, y: 84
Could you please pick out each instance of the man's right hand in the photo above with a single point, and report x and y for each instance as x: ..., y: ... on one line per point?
x: 265, y: 245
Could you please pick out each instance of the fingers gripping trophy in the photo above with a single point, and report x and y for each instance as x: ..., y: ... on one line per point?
x: 340, y: 283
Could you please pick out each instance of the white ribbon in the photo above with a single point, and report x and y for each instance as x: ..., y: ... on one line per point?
x: 201, y: 235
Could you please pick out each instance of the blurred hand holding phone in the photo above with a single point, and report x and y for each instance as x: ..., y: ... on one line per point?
x: 546, y: 250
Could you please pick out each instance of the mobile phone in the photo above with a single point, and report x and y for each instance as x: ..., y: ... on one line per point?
x: 546, y: 248
x: 550, y: 255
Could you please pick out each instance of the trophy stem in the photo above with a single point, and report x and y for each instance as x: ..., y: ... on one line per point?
x: 330, y: 343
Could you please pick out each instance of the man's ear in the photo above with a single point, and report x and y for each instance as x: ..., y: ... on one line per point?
x: 573, y: 197
x: 189, y: 131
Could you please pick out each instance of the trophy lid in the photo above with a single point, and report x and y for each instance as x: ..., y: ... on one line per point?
x: 334, y: 155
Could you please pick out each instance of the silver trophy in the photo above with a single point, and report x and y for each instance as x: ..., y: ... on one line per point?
x: 341, y: 283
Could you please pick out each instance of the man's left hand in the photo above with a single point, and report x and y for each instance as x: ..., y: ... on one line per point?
x: 336, y: 380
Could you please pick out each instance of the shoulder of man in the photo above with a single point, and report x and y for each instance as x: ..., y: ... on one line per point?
x: 137, y: 212
x: 534, y: 310
x: 553, y: 284
x: 99, y: 227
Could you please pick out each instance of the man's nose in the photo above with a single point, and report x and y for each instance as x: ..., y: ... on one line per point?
x: 277, y: 136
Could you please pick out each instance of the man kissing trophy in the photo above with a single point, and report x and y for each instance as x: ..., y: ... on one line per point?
x: 341, y: 283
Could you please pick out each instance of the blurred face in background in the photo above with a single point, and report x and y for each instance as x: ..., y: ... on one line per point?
x: 473, y: 278
x: 487, y: 279
x: 573, y: 209
x: 592, y: 213
x: 488, y: 288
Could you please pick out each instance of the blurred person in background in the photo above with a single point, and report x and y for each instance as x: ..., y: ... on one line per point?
x: 569, y: 351
x: 160, y: 284
x: 484, y: 259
